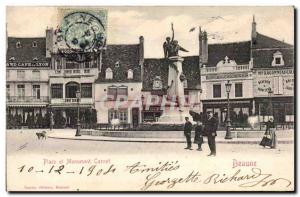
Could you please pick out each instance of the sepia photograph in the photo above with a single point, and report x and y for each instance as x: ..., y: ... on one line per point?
x: 150, y: 99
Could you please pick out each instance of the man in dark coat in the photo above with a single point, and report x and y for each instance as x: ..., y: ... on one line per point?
x: 188, y: 132
x: 211, y: 126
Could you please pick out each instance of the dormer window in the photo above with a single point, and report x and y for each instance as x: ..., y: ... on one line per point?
x: 35, y: 59
x: 130, y: 74
x: 117, y: 64
x: 34, y: 44
x: 12, y: 59
x: 108, y: 73
x: 277, y: 59
x: 18, y: 44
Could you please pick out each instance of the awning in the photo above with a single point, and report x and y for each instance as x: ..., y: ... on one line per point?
x: 25, y: 105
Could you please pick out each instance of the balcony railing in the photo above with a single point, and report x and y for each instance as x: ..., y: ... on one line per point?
x: 27, y: 99
x: 236, y: 68
x: 71, y: 101
x: 70, y: 72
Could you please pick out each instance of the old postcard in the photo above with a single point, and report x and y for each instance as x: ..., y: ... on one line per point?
x: 146, y: 99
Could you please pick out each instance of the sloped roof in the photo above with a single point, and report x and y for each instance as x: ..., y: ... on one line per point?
x: 26, y: 53
x: 263, y: 41
x: 264, y: 58
x: 127, y: 57
x: 160, y: 67
x: 264, y: 48
x: 238, y: 51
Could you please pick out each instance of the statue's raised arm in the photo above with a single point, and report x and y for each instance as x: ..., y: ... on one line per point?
x: 172, y: 28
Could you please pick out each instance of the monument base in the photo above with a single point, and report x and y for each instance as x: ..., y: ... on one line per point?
x: 170, y: 116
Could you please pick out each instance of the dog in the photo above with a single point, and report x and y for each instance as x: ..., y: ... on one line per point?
x: 41, y: 135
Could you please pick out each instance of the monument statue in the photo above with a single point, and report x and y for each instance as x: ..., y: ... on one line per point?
x: 171, y: 46
x: 176, y: 78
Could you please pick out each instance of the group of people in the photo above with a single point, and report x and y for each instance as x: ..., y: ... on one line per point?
x: 207, y: 128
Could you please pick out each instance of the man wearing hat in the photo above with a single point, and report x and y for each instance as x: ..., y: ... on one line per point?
x: 188, y: 132
x: 211, y: 126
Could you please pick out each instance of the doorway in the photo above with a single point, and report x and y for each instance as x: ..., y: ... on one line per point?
x: 135, y: 117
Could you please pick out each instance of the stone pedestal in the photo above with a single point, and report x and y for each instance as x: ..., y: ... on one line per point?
x: 177, y: 114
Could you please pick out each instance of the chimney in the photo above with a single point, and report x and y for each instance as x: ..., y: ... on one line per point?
x: 49, y: 42
x: 204, y: 48
x: 200, y: 47
x: 141, y: 56
x: 253, y: 31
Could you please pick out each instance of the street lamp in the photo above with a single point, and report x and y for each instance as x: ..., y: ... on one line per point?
x: 270, y: 92
x: 228, y: 125
x: 78, y: 122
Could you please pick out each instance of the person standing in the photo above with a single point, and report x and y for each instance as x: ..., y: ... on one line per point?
x: 198, y: 135
x: 211, y: 126
x: 271, y: 134
x: 188, y: 132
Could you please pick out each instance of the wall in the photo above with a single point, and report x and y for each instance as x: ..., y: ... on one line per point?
x: 102, y: 106
x: 207, y: 85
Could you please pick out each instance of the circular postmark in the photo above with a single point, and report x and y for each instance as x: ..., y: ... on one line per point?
x: 81, y: 32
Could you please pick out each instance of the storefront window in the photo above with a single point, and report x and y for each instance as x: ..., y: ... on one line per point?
x: 121, y: 114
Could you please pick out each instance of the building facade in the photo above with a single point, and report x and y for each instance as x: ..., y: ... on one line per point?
x: 27, y: 77
x: 273, y: 74
x: 118, y: 83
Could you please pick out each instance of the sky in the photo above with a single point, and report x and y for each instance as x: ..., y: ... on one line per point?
x: 126, y: 24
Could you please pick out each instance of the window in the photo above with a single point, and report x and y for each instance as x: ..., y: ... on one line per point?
x: 18, y: 44
x: 108, y: 73
x: 217, y: 91
x: 34, y: 44
x: 12, y: 59
x: 72, y: 65
x: 21, y: 90
x: 20, y: 74
x: 36, y: 91
x: 122, y: 91
x: 277, y: 59
x: 87, y: 64
x: 35, y: 59
x: 130, y: 74
x: 86, y: 90
x: 117, y: 64
x: 121, y: 114
x: 57, y: 90
x: 36, y: 75
x: 7, y: 91
x: 238, y: 90
x: 112, y: 93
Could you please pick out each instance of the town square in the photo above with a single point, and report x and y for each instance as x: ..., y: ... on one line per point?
x: 97, y: 100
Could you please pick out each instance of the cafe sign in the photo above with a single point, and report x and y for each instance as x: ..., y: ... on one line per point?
x: 27, y: 64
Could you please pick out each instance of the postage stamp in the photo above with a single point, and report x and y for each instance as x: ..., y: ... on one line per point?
x: 145, y: 99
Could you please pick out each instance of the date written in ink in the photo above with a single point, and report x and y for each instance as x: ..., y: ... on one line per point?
x: 92, y: 170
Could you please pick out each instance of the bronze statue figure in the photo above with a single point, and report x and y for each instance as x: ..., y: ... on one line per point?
x: 171, y: 46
